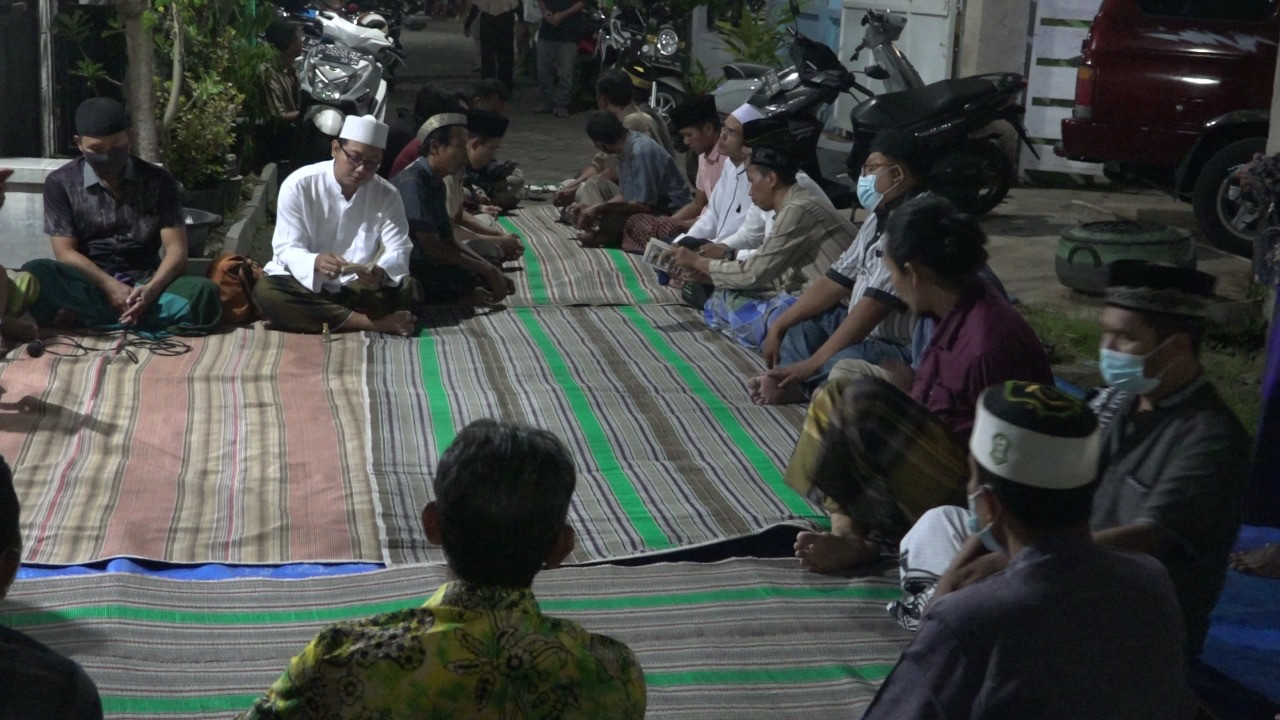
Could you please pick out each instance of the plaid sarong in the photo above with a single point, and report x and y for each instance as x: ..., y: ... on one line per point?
x: 871, y: 450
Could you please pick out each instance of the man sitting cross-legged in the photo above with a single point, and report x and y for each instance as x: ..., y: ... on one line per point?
x: 451, y: 271
x: 485, y: 131
x: 36, y: 683
x: 480, y: 647
x: 341, y: 245
x: 648, y: 182
x: 1070, y: 629
x: 109, y: 215
x: 881, y: 452
x: 699, y: 125
x: 1172, y: 470
x: 807, y: 236
x: 852, y: 312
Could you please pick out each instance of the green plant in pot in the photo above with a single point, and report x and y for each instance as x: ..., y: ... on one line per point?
x: 757, y: 37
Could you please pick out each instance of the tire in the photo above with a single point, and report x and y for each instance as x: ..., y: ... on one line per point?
x: 1216, y: 211
x: 976, y: 177
x: 666, y: 99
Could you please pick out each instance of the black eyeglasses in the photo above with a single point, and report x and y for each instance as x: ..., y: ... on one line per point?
x: 360, y: 162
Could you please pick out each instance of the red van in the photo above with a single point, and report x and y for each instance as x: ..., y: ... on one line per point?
x: 1178, y: 92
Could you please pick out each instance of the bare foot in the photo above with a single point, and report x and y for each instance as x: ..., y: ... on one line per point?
x: 766, y: 391
x: 826, y: 552
x: 401, y: 322
x: 1263, y: 561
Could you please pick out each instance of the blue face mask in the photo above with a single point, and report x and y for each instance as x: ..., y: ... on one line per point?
x: 868, y: 196
x: 984, y: 535
x: 1126, y: 372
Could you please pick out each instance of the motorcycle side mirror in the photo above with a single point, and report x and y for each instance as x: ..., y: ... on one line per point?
x: 875, y: 72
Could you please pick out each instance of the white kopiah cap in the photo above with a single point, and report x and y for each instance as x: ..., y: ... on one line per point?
x: 364, y: 129
x: 746, y: 113
x: 1036, y: 435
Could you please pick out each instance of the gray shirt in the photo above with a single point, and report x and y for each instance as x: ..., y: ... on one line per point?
x: 36, y: 682
x: 1182, y: 466
x: 1069, y: 630
x: 647, y: 174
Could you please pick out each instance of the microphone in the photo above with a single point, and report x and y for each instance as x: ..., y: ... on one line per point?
x: 35, y: 348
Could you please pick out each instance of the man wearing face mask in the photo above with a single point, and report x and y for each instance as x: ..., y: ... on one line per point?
x: 1173, y: 461
x: 109, y: 215
x: 1070, y: 629
x: 852, y: 312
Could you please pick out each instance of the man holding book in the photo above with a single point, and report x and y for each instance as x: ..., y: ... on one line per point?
x: 341, y: 245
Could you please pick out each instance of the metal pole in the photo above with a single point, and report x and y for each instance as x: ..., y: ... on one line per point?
x: 48, y: 10
x: 1273, y: 138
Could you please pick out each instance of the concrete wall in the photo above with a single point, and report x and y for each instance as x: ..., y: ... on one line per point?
x: 993, y: 37
x: 22, y: 235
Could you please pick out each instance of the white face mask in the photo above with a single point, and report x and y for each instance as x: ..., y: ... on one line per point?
x: 984, y: 535
x: 1126, y: 372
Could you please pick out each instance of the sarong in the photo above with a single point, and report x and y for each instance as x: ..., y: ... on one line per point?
x: 878, y: 455
x: 291, y: 307
x: 745, y: 315
x: 188, y: 306
x: 640, y: 228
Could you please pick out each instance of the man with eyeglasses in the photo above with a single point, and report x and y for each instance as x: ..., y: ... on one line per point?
x: 341, y: 247
x: 451, y: 272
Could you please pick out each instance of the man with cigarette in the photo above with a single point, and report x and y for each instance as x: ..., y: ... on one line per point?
x: 341, y: 245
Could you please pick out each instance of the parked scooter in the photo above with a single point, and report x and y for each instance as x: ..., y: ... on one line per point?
x: 972, y: 170
x: 648, y: 47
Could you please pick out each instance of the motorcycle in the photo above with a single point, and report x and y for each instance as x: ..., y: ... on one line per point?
x: 336, y: 81
x: 743, y: 81
x: 649, y: 48
x: 947, y: 117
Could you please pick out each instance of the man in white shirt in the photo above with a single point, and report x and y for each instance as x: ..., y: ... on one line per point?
x: 341, y: 245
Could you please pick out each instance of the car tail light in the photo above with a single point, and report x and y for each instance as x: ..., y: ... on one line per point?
x: 1086, y: 82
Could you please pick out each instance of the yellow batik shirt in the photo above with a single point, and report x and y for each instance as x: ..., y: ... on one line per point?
x: 470, y: 652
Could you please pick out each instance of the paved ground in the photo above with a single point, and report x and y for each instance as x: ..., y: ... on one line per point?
x: 548, y: 149
x: 1024, y: 230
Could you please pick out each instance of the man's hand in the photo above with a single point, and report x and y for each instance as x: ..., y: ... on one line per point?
x: 564, y: 196
x: 714, y: 251
x: 682, y: 257
x: 795, y: 373
x: 371, y: 278
x: 491, y: 210
x: 554, y: 19
x: 329, y: 265
x: 512, y: 247
x: 771, y: 347
x: 137, y: 302
x: 587, y: 216
x: 966, y: 574
x: 117, y: 294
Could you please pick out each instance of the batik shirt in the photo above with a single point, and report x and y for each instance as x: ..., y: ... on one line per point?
x: 470, y: 652
x: 648, y: 175
x: 119, y: 233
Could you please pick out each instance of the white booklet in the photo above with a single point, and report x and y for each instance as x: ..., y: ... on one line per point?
x: 653, y: 253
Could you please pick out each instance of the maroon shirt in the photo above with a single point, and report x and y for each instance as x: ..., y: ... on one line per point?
x: 981, y: 342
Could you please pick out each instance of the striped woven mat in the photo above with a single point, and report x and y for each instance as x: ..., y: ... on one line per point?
x: 671, y: 451
x: 559, y: 271
x: 739, y: 639
x: 248, y: 449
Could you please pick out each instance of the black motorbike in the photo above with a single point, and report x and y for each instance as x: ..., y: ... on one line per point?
x: 948, y: 118
x: 643, y: 41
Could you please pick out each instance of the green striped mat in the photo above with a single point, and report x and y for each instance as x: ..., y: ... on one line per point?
x: 742, y: 639
x: 672, y: 452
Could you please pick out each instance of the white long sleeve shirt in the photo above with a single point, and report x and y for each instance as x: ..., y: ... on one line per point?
x: 726, y: 207
x: 312, y: 218
x: 757, y: 224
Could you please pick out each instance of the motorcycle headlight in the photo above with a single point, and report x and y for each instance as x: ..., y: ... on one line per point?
x: 668, y: 42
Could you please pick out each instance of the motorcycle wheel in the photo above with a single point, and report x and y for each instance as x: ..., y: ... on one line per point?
x: 666, y: 100
x: 976, y: 177
x: 1230, y: 224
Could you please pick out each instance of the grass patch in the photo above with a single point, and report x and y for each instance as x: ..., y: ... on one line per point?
x: 1234, y: 362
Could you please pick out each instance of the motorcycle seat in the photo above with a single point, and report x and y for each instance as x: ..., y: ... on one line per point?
x: 745, y: 71
x: 902, y: 109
